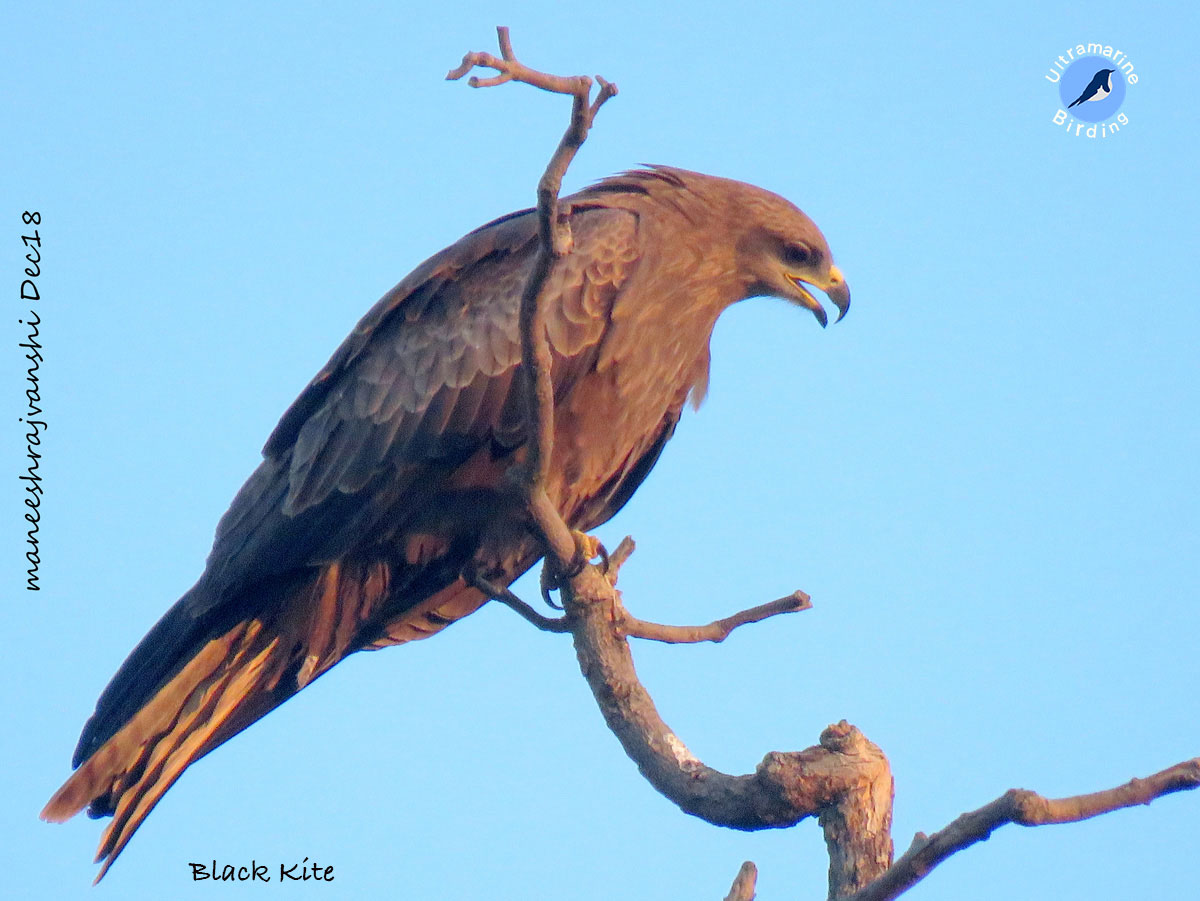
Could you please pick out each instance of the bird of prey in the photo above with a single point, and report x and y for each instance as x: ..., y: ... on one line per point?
x: 386, y: 483
x: 1097, y: 89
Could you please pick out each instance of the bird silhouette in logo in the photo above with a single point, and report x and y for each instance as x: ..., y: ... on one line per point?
x: 1098, y: 88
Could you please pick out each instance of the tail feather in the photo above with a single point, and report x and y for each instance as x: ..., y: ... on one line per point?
x: 206, y: 709
x: 108, y: 770
x: 237, y: 677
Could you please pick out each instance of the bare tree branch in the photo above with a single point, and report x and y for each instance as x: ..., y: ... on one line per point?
x: 1026, y: 809
x: 716, y: 631
x: 858, y: 824
x: 743, y: 883
x: 555, y: 241
x: 618, y: 557
x: 632, y: 627
x: 785, y: 788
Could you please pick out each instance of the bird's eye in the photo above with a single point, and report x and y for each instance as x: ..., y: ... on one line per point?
x: 797, y: 254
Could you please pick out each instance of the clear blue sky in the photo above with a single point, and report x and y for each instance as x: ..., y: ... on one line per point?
x: 986, y: 476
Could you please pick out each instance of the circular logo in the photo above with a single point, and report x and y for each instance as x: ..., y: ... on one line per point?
x: 1092, y: 88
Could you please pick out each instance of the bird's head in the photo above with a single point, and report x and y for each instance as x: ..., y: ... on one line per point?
x: 777, y: 250
x: 781, y: 251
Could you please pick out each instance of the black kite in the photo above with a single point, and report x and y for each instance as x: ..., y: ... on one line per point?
x: 386, y: 480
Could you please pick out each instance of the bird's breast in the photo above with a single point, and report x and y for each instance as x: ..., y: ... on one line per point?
x: 614, y: 417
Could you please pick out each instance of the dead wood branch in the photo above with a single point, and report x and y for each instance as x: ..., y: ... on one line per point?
x: 554, y: 242
x: 845, y: 779
x: 630, y: 626
x: 716, y: 631
x: 618, y: 557
x: 1026, y: 809
x: 744, y: 883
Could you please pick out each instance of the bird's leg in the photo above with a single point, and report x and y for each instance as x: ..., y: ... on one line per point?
x: 473, y: 577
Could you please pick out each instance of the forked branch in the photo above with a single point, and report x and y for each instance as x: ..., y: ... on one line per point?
x: 555, y: 241
x: 845, y: 780
x: 1026, y: 809
x: 629, y: 626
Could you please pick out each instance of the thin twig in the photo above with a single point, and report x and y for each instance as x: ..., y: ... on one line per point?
x: 716, y: 631
x: 1026, y: 809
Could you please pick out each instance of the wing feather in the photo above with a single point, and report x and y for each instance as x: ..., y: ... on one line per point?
x: 398, y: 392
x: 346, y: 452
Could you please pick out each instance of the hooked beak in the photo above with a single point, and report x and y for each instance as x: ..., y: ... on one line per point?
x: 835, y: 289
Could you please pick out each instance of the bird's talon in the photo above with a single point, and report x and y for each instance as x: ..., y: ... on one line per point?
x: 602, y: 552
x: 549, y: 583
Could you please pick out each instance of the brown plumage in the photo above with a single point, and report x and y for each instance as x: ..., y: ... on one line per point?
x: 386, y: 479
